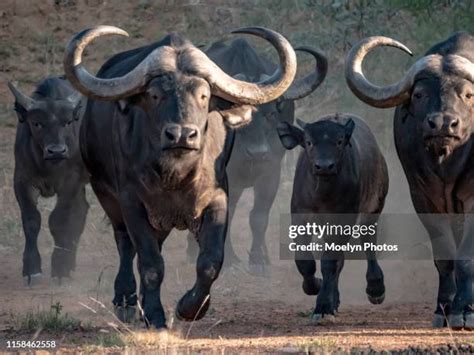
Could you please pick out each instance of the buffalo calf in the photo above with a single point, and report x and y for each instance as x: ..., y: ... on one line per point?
x: 340, y: 171
x: 48, y: 163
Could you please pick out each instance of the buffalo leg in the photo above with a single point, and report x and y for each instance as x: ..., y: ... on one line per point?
x: 31, y: 219
x: 331, y: 265
x: 444, y: 247
x: 375, y: 289
x: 462, y: 314
x: 66, y: 224
x: 230, y: 257
x: 194, y: 304
x: 147, y: 242
x: 265, y: 191
x: 305, y: 262
x: 125, y: 286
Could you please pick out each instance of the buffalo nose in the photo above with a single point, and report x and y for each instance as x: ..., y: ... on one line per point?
x: 324, y: 166
x: 181, y: 134
x: 56, y: 149
x: 443, y: 122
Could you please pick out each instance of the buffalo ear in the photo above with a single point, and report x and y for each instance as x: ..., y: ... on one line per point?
x: 290, y: 136
x: 238, y: 116
x: 349, y: 128
x: 23, y: 103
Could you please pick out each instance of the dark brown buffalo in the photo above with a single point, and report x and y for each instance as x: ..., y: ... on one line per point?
x: 433, y: 128
x: 48, y: 163
x: 156, y: 136
x: 340, y: 172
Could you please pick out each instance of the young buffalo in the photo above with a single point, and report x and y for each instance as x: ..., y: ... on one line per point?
x: 48, y: 163
x: 340, y: 171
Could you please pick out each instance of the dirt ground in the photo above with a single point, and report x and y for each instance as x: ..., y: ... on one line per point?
x: 247, y: 313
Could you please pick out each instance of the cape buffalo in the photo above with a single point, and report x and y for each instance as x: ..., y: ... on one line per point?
x: 257, y: 146
x: 433, y: 136
x: 156, y: 136
x: 48, y: 163
x: 341, y: 171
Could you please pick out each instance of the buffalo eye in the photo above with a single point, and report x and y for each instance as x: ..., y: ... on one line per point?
x: 469, y: 95
x: 68, y: 123
x: 309, y: 143
x: 37, y: 125
x: 339, y: 142
x: 417, y: 95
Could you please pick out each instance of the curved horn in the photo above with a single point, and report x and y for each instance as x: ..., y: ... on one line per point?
x: 24, y: 100
x: 395, y: 94
x: 305, y: 86
x: 162, y: 58
x: 460, y: 66
x: 242, y: 92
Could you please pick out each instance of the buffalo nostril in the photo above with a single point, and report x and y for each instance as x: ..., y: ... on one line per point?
x: 331, y: 166
x: 431, y: 123
x: 170, y: 135
x: 318, y: 167
x: 454, y: 123
x: 193, y: 134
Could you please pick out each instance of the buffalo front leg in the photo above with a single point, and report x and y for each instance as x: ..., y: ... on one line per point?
x: 31, y: 220
x: 265, y: 191
x: 444, y: 248
x: 375, y: 289
x: 147, y: 242
x: 306, y: 266
x: 125, y: 286
x: 66, y: 224
x: 331, y: 266
x: 231, y: 257
x: 462, y: 314
x: 195, y: 303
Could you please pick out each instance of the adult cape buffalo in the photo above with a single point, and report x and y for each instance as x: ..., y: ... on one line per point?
x: 156, y: 136
x: 433, y: 136
x: 257, y: 146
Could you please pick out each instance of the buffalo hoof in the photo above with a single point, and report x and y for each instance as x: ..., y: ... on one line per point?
x: 469, y: 321
x: 439, y: 321
x: 126, y: 314
x: 376, y: 299
x: 312, y: 286
x: 259, y: 270
x: 456, y: 321
x: 318, y: 318
x: 189, y: 310
x: 33, y: 280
